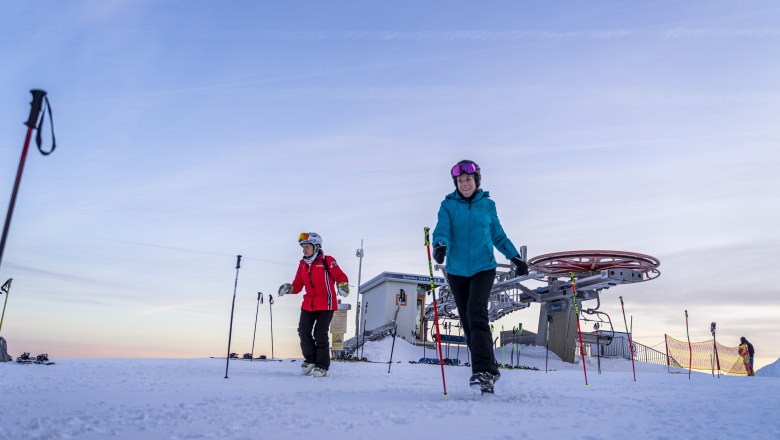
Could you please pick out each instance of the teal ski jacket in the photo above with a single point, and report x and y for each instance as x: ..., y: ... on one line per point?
x: 470, y: 229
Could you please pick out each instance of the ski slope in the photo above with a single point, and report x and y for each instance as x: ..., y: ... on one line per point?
x: 189, y: 398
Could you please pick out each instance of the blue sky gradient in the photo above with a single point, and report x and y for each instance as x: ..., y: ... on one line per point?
x: 190, y: 132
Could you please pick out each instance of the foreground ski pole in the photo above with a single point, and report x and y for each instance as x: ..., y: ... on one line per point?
x: 6, y: 289
x: 630, y: 344
x: 254, y: 333
x: 435, y: 307
x: 579, y: 331
x: 38, y: 98
x: 690, y: 349
x: 232, y: 308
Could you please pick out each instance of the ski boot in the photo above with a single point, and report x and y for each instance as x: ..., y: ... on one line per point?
x: 484, y: 381
x: 43, y: 359
x: 306, y: 368
x: 24, y: 358
x: 319, y: 372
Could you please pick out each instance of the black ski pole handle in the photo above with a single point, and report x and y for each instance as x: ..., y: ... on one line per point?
x: 238, y: 262
x: 35, y: 107
x: 260, y: 297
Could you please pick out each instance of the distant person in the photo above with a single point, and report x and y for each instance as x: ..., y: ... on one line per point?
x: 744, y: 352
x: 322, y: 279
x: 750, y: 352
x: 466, y: 232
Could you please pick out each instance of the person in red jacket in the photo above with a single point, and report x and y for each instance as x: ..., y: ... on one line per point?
x: 322, y: 279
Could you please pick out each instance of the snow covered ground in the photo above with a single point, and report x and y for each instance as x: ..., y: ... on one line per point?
x: 189, y: 398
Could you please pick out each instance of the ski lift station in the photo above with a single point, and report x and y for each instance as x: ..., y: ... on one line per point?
x: 391, y: 298
x: 389, y: 292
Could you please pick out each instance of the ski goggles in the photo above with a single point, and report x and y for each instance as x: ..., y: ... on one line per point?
x: 465, y: 167
x: 303, y: 237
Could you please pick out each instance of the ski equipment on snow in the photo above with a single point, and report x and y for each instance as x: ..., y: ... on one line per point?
x: 715, y: 346
x: 690, y: 348
x: 435, y: 306
x: 359, y: 254
x: 579, y: 331
x: 254, y: 333
x: 271, y: 312
x: 6, y: 289
x: 401, y: 299
x: 38, y: 99
x: 232, y: 308
x: 630, y: 344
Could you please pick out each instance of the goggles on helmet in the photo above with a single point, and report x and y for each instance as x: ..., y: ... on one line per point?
x: 303, y: 237
x: 464, y: 167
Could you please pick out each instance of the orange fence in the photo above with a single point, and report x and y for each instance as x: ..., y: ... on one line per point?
x: 704, y: 356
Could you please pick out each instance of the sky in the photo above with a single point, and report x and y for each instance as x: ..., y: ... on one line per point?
x: 191, y: 132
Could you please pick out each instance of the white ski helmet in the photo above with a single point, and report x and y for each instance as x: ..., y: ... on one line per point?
x: 311, y: 238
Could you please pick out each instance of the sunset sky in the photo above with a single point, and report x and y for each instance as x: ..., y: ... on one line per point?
x: 189, y: 132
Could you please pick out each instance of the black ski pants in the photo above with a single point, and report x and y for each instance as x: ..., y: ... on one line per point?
x: 316, y: 348
x: 471, y: 296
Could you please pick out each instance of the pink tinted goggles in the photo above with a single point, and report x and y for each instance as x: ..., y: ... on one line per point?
x: 463, y: 168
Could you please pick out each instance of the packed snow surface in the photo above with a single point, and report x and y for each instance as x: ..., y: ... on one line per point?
x: 190, y: 398
x: 771, y: 370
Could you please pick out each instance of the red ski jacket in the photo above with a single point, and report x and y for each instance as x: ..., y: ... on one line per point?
x: 319, y: 283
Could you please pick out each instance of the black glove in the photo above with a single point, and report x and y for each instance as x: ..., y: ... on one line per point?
x: 521, y: 268
x: 439, y: 252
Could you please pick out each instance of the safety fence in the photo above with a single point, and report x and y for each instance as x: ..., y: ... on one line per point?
x: 704, y: 356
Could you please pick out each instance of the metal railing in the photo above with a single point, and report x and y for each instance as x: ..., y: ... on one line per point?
x: 619, y: 348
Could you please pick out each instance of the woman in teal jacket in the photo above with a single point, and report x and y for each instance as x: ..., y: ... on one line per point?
x: 466, y: 232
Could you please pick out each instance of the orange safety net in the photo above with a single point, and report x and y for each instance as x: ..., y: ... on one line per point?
x: 704, y: 356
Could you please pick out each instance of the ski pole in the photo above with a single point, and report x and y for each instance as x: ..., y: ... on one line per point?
x: 448, y: 327
x: 512, y: 356
x: 271, y: 312
x: 363, y: 345
x: 520, y: 338
x: 401, y: 298
x: 579, y: 331
x: 690, y: 349
x: 38, y: 98
x: 547, y: 342
x: 457, y: 355
x: 425, y: 336
x: 232, y: 308
x: 715, y: 348
x: 503, y: 360
x: 254, y: 333
x: 630, y: 344
x: 358, y: 254
x: 6, y: 289
x: 435, y: 307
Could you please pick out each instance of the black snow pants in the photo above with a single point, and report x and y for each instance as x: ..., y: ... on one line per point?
x: 471, y: 296
x: 315, y: 349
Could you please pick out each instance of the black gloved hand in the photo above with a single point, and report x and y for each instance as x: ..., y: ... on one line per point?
x: 521, y: 268
x: 439, y: 252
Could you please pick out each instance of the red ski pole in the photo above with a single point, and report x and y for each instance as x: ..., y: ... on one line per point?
x: 435, y: 308
x: 579, y: 331
x: 630, y: 345
x: 36, y: 106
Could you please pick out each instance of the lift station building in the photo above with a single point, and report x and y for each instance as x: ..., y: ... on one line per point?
x: 389, y: 292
